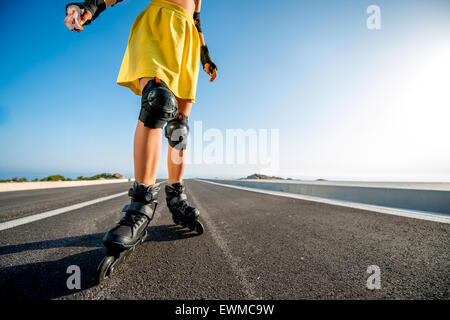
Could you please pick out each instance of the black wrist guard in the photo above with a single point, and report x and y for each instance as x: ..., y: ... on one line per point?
x: 197, y: 21
x: 205, y: 58
x: 94, y: 6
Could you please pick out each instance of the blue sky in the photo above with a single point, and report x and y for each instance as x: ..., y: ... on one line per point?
x: 349, y: 102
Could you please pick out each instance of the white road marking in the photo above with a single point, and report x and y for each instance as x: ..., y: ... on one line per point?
x: 436, y: 217
x: 221, y: 242
x: 18, y: 222
x: 51, y: 213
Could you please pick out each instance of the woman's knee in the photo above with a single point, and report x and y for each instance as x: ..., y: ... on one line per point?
x: 158, y: 103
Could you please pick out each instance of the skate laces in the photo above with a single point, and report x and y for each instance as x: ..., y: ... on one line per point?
x: 183, y: 206
x: 130, y: 219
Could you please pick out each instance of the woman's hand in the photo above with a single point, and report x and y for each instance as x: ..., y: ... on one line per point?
x: 73, y: 20
x: 208, y: 65
x: 211, y: 70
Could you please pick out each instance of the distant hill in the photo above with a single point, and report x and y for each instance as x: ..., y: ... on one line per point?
x: 103, y: 176
x: 262, y: 177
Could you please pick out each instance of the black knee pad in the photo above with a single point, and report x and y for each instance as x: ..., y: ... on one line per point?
x: 177, y: 132
x: 158, y: 104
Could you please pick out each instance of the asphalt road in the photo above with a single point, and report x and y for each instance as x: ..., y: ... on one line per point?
x: 256, y: 246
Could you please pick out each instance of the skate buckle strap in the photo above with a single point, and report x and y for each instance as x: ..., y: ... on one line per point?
x: 149, y: 193
x: 152, y: 195
x: 143, y: 208
x: 178, y: 198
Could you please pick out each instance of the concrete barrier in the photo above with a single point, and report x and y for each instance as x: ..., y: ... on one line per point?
x: 425, y: 199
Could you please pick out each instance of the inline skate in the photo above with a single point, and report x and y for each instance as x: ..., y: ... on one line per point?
x: 131, y: 230
x: 182, y: 213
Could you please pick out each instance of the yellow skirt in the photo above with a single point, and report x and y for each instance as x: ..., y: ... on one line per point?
x: 163, y: 43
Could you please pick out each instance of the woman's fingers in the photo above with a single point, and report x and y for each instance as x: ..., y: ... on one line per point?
x: 207, y: 69
x: 73, y: 20
x: 68, y: 21
x: 76, y: 21
x: 214, y: 75
x: 86, y: 16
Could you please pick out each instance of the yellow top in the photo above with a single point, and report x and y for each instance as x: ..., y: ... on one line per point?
x: 163, y: 43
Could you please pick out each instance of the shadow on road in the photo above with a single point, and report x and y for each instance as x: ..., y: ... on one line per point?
x: 86, y: 241
x: 47, y: 279
x: 168, y: 233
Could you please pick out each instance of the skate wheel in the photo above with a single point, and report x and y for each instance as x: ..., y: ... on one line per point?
x: 198, y: 227
x: 104, y: 268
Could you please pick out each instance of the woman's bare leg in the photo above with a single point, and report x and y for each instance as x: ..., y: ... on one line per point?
x: 176, y: 158
x: 182, y: 212
x: 147, y: 150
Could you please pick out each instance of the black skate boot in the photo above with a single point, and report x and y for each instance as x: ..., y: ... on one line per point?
x: 182, y: 213
x: 131, y: 230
